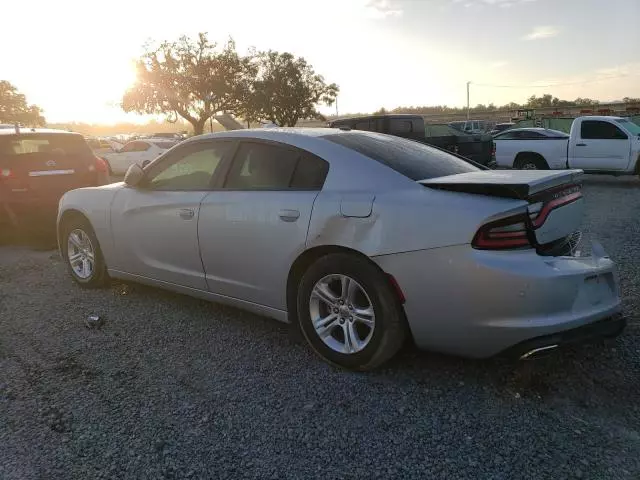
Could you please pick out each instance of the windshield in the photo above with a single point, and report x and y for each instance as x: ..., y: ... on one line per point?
x: 412, y: 159
x: 629, y: 126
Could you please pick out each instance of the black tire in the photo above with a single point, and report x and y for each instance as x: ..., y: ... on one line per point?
x: 531, y: 162
x: 390, y: 328
x: 99, y: 276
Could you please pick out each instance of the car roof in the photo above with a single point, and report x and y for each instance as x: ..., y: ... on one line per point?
x: 269, y: 133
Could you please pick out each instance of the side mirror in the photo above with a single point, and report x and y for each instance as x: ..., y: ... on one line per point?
x: 134, y: 175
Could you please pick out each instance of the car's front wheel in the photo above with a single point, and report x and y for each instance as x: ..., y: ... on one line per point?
x: 349, y: 313
x: 82, y: 254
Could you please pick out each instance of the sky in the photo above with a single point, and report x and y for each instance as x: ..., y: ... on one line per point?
x: 74, y: 58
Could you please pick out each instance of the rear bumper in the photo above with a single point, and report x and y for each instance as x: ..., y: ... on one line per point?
x: 479, y: 303
x: 540, y: 346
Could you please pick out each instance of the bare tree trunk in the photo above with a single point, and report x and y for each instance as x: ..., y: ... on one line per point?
x: 198, y: 126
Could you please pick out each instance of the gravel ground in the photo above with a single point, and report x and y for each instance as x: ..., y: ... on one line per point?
x: 172, y: 387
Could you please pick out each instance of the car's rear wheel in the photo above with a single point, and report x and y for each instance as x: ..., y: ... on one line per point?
x: 82, y: 254
x: 531, y: 162
x: 349, y: 313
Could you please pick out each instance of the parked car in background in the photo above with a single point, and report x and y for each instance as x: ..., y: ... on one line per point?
x: 501, y: 127
x: 140, y: 152
x: 37, y: 166
x: 333, y: 231
x: 478, y: 148
x: 168, y: 135
x: 596, y: 144
x: 100, y: 146
x: 530, y: 133
x: 470, y: 126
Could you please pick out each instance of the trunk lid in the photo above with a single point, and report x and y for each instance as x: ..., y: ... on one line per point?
x: 555, y: 200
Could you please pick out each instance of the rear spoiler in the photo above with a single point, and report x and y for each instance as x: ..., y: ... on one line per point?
x: 517, y: 184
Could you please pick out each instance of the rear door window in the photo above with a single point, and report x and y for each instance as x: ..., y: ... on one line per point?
x: 262, y: 166
x: 414, y: 160
x: 259, y: 166
x: 310, y: 173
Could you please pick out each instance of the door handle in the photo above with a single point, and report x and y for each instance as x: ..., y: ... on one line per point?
x: 581, y: 144
x: 186, y: 213
x: 289, y: 215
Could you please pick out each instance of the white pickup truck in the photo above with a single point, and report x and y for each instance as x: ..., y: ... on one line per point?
x: 608, y: 145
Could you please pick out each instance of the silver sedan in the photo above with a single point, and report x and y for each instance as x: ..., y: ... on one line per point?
x: 361, y: 240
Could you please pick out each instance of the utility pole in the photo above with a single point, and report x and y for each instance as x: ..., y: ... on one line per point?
x: 336, y: 106
x: 468, y: 83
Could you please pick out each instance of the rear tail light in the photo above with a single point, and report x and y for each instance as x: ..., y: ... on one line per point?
x: 493, y: 149
x: 506, y: 233
x: 566, y: 197
x: 513, y: 232
x: 6, y: 173
x: 100, y: 166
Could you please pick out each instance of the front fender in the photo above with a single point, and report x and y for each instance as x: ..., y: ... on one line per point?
x: 94, y: 203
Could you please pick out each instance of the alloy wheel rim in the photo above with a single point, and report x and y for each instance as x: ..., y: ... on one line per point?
x: 342, y: 313
x: 529, y: 166
x: 81, y: 254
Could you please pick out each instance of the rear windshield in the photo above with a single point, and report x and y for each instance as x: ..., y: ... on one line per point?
x: 412, y: 159
x: 50, y: 144
x: 164, y: 145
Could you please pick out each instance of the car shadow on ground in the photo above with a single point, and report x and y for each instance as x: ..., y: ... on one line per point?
x: 610, y: 181
x: 589, y: 375
x: 39, y: 240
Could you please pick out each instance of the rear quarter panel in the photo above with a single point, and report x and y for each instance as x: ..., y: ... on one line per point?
x: 415, y: 218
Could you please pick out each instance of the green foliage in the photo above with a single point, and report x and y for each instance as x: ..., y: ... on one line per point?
x: 193, y: 79
x: 15, y: 109
x: 285, y: 90
x: 546, y: 100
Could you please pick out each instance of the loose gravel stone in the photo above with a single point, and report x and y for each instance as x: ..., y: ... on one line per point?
x: 174, y: 387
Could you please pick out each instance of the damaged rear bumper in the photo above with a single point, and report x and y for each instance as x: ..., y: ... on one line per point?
x: 480, y: 303
x: 543, y: 346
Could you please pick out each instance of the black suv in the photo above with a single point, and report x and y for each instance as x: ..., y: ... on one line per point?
x: 479, y: 148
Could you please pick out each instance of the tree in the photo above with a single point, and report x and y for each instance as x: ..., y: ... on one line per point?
x: 286, y: 89
x: 546, y: 100
x: 15, y: 109
x: 586, y: 102
x: 193, y: 79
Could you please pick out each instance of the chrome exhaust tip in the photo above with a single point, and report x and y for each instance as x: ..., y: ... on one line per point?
x: 538, y: 352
